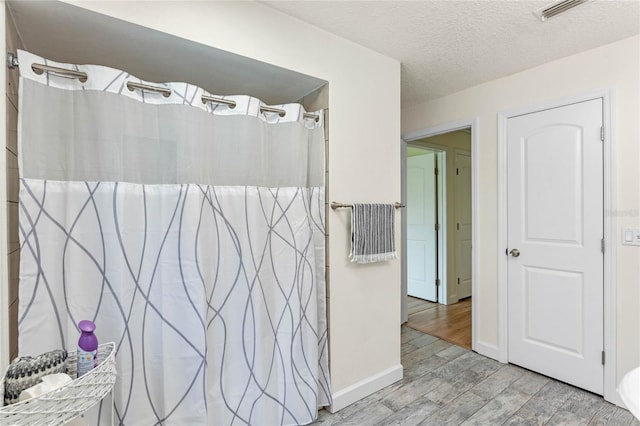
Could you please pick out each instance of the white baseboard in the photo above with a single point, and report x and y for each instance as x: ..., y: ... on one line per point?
x: 365, y: 387
x: 490, y: 351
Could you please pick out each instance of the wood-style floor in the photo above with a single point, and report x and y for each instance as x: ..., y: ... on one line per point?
x: 448, y: 322
x: 444, y: 384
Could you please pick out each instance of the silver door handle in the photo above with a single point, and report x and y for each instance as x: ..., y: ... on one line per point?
x: 515, y: 252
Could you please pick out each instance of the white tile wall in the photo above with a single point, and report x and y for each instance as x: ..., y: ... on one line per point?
x: 11, y: 150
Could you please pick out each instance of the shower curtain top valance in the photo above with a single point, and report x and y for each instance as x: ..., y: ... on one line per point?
x: 144, y: 137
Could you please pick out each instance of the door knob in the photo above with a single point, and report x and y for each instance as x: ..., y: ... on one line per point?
x: 515, y: 252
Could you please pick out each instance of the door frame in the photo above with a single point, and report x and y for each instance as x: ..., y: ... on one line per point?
x: 474, y: 125
x: 609, y: 179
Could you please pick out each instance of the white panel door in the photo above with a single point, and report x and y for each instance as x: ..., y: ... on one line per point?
x: 463, y: 223
x: 421, y: 221
x: 555, y: 228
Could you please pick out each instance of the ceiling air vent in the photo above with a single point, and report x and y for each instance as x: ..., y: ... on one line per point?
x: 557, y: 8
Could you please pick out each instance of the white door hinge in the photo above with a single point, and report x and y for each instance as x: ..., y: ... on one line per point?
x: 602, y: 357
x: 602, y: 245
x: 602, y: 133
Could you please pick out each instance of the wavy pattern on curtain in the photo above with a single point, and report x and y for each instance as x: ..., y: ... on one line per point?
x: 213, y: 293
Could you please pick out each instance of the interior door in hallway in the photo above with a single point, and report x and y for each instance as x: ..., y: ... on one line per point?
x: 421, y: 226
x: 555, y: 230
x: 463, y: 223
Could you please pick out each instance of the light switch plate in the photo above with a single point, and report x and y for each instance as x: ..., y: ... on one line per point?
x: 630, y: 237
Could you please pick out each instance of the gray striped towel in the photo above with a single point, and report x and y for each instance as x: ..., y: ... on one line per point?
x: 372, y: 233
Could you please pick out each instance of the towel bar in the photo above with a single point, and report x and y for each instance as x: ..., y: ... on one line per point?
x: 335, y: 205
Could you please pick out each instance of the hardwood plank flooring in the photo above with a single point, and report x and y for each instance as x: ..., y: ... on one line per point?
x: 448, y: 322
x: 415, y: 305
x: 444, y: 384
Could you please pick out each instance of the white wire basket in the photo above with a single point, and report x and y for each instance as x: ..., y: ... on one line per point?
x: 67, y: 402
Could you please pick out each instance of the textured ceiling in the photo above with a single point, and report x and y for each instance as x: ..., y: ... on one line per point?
x: 445, y: 46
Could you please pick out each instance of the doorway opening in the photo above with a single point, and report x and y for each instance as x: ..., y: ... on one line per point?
x: 438, y: 238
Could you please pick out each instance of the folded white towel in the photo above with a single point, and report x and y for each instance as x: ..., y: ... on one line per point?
x: 49, y: 383
x: 372, y: 233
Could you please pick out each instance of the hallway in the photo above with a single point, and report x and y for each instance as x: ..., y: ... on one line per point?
x: 448, y: 322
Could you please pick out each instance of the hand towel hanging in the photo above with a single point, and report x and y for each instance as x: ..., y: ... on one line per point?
x: 372, y: 233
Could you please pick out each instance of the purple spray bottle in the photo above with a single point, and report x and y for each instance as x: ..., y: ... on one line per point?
x: 87, y: 347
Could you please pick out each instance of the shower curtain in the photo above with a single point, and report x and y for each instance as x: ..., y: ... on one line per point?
x: 192, y: 234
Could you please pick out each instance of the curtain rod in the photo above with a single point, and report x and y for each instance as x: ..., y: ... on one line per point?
x: 335, y: 205
x: 12, y: 62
